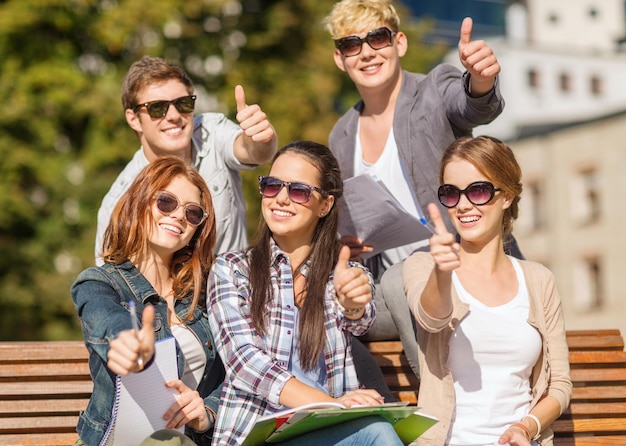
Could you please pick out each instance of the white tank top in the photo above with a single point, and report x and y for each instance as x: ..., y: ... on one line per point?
x: 195, y: 359
x: 492, y: 353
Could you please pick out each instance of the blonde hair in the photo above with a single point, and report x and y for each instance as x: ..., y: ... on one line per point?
x: 349, y: 17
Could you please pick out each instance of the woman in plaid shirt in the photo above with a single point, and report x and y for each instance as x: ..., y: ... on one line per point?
x: 280, y: 311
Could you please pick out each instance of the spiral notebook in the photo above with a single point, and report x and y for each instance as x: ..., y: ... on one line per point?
x: 142, y: 398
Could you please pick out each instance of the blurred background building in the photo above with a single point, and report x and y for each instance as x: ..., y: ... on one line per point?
x: 564, y: 81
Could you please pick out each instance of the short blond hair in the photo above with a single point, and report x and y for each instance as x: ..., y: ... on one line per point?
x: 353, y: 16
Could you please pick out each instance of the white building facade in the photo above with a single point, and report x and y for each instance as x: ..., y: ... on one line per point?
x: 564, y: 82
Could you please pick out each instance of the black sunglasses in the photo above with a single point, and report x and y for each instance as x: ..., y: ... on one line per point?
x: 297, y: 192
x: 478, y: 193
x: 158, y: 109
x: 167, y: 203
x: 377, y: 39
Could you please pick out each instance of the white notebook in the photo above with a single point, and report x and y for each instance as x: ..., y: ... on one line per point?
x: 142, y: 398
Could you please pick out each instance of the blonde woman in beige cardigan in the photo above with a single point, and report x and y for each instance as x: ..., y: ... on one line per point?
x: 492, y: 348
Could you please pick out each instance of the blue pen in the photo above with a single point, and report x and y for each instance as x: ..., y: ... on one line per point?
x: 427, y: 225
x: 132, y: 309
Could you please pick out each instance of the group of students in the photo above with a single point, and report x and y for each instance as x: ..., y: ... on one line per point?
x: 276, y: 324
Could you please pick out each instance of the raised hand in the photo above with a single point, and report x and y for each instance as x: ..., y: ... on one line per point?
x: 252, y: 120
x: 130, y: 346
x: 351, y: 283
x: 443, y: 245
x: 478, y: 59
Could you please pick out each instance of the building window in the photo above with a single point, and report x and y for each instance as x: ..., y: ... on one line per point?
x: 531, y: 214
x: 565, y: 82
x: 593, y: 12
x: 596, y: 85
x: 553, y: 18
x: 533, y: 79
x: 585, y: 197
x: 588, y: 291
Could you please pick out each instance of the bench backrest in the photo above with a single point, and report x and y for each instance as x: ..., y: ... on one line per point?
x: 43, y: 387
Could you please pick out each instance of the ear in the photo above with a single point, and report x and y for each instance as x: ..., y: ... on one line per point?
x: 133, y: 120
x: 508, y: 200
x: 327, y: 206
x: 339, y: 60
x: 402, y: 43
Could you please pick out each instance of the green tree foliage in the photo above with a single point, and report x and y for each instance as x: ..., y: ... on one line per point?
x: 63, y: 137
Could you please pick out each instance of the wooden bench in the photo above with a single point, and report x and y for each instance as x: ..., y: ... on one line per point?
x: 597, y: 413
x: 44, y: 386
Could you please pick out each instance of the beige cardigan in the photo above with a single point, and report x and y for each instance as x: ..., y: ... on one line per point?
x: 550, y: 374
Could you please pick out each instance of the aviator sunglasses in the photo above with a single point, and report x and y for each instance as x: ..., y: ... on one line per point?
x: 478, y: 193
x: 377, y: 39
x: 158, y: 109
x: 297, y: 192
x: 167, y: 203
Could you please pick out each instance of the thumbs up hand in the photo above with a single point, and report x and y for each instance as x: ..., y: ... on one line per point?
x: 478, y: 59
x: 443, y: 245
x: 252, y: 120
x: 351, y: 285
x: 132, y: 349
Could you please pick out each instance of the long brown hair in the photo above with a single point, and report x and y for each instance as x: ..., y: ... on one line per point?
x: 126, y: 237
x: 324, y: 246
x: 496, y: 161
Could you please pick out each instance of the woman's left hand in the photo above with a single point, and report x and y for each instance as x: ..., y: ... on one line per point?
x: 514, y: 436
x: 351, y: 283
x: 187, y: 410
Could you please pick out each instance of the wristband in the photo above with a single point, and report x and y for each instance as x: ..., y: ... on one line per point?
x: 352, y: 311
x: 537, y: 422
x: 348, y: 311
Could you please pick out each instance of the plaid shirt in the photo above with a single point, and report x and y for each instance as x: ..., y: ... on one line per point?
x: 257, y: 366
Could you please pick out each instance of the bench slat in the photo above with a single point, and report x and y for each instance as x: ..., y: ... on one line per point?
x: 599, y: 375
x: 55, y: 439
x: 44, y: 371
x: 39, y: 351
x: 586, y: 409
x: 40, y: 407
x: 19, y: 390
x: 579, y: 358
x: 591, y: 425
x: 608, y: 440
x: 16, y: 425
x: 608, y: 339
x: 597, y: 393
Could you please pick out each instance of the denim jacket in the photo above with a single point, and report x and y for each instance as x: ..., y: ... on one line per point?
x: 101, y: 295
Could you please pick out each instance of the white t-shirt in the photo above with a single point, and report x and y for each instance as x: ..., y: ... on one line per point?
x: 492, y: 353
x: 391, y: 171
